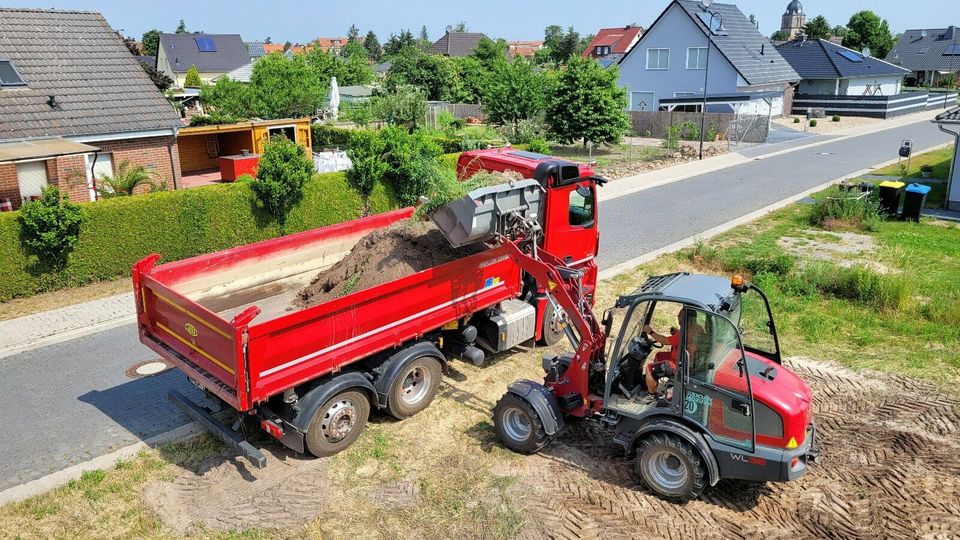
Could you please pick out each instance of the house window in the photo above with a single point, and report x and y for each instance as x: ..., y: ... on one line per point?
x: 103, y: 166
x: 9, y: 76
x: 658, y: 58
x: 697, y: 58
x: 642, y: 101
x: 290, y: 132
x: 32, y: 178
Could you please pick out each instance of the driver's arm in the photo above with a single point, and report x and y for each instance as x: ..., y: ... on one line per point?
x: 660, y: 338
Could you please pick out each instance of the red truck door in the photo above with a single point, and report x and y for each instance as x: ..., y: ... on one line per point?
x: 570, y: 225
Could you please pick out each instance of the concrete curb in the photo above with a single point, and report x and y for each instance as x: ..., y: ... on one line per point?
x: 106, y: 461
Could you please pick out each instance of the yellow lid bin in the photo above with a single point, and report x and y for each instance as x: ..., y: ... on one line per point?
x: 892, y: 184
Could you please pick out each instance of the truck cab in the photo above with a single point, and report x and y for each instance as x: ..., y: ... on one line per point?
x: 569, y: 221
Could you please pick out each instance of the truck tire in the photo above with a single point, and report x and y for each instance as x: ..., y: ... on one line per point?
x: 338, y: 422
x: 670, y: 467
x: 518, y: 425
x: 414, y: 387
x: 552, y: 332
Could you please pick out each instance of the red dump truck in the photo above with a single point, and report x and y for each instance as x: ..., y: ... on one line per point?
x: 310, y: 377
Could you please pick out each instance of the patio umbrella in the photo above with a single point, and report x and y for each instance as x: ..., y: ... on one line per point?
x: 334, y: 98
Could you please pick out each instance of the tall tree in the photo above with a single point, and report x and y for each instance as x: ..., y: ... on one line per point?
x: 753, y: 21
x: 424, y: 37
x: 182, y: 28
x: 372, y: 45
x: 353, y: 33
x: 282, y: 87
x: 514, y: 92
x: 488, y: 51
x: 472, y: 80
x: 436, y: 75
x: 268, y: 40
x: 286, y: 46
x: 839, y: 31
x: 461, y: 27
x: 817, y: 28
x: 151, y: 42
x: 586, y: 103
x: 780, y: 35
x: 558, y: 45
x: 867, y: 30
x: 399, y: 42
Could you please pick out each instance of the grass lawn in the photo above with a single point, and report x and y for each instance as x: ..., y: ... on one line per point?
x: 896, y: 310
x: 939, y: 159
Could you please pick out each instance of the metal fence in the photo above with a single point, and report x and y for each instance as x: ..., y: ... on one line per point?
x: 721, y: 126
x: 874, y: 106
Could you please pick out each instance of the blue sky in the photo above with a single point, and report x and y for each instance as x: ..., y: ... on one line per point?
x: 302, y: 20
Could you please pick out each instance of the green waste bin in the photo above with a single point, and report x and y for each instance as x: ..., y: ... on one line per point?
x: 914, y: 199
x: 890, y: 193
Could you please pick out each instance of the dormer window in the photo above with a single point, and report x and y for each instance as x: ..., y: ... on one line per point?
x: 9, y: 75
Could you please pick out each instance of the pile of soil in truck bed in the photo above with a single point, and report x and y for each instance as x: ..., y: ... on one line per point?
x: 384, y: 255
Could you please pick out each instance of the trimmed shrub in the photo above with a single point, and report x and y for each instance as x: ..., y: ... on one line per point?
x: 410, y: 162
x: 284, y: 168
x: 327, y: 136
x: 796, y: 120
x: 118, y: 232
x: 192, y: 80
x: 369, y: 167
x: 50, y: 226
x: 448, y: 145
x: 836, y: 118
x: 539, y: 146
x: 813, y: 122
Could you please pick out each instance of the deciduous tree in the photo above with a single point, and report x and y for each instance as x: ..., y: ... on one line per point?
x: 586, y: 103
x: 867, y: 30
x: 282, y: 87
x: 514, y: 92
x: 151, y: 42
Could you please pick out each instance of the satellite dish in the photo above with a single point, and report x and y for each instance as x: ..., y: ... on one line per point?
x: 449, y: 29
x: 706, y: 3
x: 923, y: 33
x: 865, y: 51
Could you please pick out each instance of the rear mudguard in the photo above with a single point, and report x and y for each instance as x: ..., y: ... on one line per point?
x: 387, y: 371
x: 542, y: 400
x: 628, y: 438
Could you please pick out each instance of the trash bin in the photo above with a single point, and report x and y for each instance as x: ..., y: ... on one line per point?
x: 867, y: 187
x: 890, y: 197
x: 914, y: 199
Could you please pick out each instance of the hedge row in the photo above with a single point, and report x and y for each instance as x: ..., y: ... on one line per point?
x: 176, y: 224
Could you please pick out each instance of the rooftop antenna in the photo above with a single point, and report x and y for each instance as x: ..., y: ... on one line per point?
x: 449, y: 28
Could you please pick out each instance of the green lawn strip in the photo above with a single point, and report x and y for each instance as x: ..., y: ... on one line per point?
x: 939, y: 159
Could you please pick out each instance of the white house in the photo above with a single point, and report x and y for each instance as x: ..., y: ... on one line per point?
x: 828, y: 69
x: 692, y: 49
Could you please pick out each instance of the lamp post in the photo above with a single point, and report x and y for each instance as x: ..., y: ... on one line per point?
x: 706, y: 71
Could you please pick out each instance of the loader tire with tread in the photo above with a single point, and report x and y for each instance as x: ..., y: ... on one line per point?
x: 518, y: 425
x: 671, y: 467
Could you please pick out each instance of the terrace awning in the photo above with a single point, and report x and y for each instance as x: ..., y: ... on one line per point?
x: 42, y: 148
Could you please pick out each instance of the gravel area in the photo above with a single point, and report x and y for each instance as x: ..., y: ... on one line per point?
x: 827, y: 125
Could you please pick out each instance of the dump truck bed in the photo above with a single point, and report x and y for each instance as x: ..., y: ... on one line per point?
x: 225, y: 318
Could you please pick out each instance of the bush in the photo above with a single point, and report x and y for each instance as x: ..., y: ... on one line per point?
x: 404, y: 106
x: 884, y: 292
x: 125, y: 181
x: 813, y: 122
x: 410, y: 159
x: 327, y: 136
x: 690, y: 131
x: 836, y: 118
x: 838, y: 208
x: 284, y: 168
x: 926, y: 168
x: 796, y: 120
x: 448, y: 145
x: 117, y: 232
x: 539, y: 146
x: 672, y: 139
x: 50, y: 227
x: 366, y: 153
x: 647, y: 133
x: 192, y: 80
x: 214, y: 119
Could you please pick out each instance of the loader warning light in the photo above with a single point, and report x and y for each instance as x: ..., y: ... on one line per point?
x: 736, y: 282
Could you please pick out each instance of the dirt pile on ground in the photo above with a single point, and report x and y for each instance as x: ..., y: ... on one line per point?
x: 890, y: 470
x: 385, y: 255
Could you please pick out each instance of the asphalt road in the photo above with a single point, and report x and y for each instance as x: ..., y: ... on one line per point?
x: 70, y: 402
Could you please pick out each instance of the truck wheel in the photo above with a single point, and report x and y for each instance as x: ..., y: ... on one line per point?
x: 552, y: 331
x: 414, y: 387
x: 671, y: 467
x: 518, y: 425
x: 338, y: 422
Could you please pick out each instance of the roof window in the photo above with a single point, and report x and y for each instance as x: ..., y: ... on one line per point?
x: 851, y: 56
x: 9, y: 76
x: 952, y: 50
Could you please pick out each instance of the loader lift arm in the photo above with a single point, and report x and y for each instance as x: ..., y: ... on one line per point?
x: 563, y: 284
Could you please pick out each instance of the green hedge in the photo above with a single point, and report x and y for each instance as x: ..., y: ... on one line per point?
x: 177, y: 224
x: 327, y: 136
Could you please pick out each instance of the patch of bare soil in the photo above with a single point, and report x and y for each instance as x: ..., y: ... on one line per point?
x: 890, y: 470
x: 385, y: 255
x: 846, y: 249
x: 227, y: 493
x: 683, y: 154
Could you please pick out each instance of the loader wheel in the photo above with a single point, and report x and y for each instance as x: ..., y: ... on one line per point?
x: 338, y: 422
x: 552, y: 331
x: 414, y: 387
x: 670, y: 467
x: 518, y: 425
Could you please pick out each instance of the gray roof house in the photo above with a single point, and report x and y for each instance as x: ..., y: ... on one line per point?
x: 826, y: 68
x: 213, y: 54
x: 691, y: 50
x: 456, y: 44
x: 74, y: 102
x: 241, y: 74
x: 929, y: 54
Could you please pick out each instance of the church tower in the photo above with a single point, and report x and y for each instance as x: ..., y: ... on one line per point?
x: 794, y: 19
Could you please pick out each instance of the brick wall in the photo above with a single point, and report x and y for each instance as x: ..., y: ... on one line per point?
x: 9, y: 188
x: 152, y: 153
x: 69, y: 174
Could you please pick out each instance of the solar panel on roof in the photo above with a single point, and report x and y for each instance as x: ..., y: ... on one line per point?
x: 851, y: 56
x: 206, y: 44
x: 9, y: 76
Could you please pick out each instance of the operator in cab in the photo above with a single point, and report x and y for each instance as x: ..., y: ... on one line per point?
x: 664, y: 364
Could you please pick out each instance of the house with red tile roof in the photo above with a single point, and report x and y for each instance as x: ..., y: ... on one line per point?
x: 613, y: 41
x: 524, y: 48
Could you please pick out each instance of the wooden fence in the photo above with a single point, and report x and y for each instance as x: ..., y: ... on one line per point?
x: 725, y: 126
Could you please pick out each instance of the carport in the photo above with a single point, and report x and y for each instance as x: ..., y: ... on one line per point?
x: 949, y: 122
x: 755, y: 103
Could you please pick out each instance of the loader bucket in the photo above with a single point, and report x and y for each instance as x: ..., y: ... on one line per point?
x: 483, y: 213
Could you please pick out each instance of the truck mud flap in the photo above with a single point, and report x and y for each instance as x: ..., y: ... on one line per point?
x: 233, y: 439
